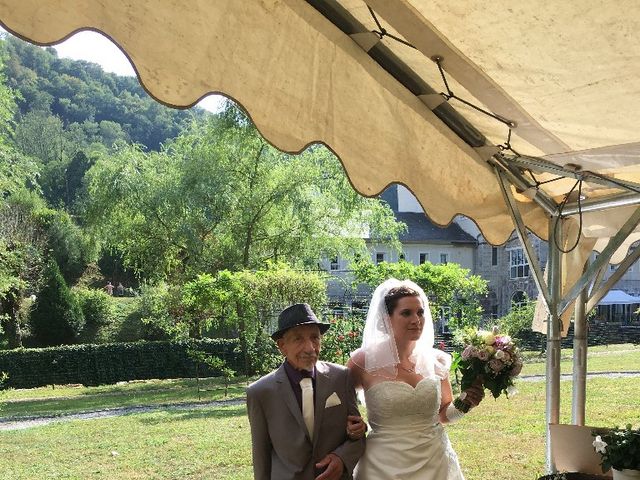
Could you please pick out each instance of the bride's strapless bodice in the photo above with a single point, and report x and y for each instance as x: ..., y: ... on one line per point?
x: 407, y: 440
x: 396, y: 404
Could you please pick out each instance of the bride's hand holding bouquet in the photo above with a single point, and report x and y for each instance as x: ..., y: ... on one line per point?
x: 487, y: 358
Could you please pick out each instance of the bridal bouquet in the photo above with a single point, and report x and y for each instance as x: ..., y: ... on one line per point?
x: 490, y: 357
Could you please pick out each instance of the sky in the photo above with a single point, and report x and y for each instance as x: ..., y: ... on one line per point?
x: 93, y: 47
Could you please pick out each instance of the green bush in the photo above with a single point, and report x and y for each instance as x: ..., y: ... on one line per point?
x: 56, y: 317
x: 243, y: 304
x: 110, y: 363
x: 344, y: 336
x: 96, y: 306
x: 517, y: 323
x: 446, y: 285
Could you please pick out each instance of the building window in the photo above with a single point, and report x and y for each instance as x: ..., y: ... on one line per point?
x: 424, y: 257
x: 379, y: 258
x: 519, y: 299
x: 518, y: 262
x: 494, y: 256
x: 335, y: 265
x: 444, y: 258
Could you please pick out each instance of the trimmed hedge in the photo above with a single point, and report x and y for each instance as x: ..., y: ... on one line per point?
x: 110, y: 363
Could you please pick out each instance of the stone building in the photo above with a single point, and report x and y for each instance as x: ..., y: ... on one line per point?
x: 505, y: 267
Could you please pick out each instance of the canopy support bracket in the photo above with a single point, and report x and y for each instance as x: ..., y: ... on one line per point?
x: 366, y: 40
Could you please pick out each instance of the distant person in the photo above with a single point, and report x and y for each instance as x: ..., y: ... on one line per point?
x: 109, y: 288
x: 120, y: 289
x: 295, y: 437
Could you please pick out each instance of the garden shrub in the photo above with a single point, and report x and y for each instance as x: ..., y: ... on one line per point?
x: 344, y: 336
x: 96, y: 306
x: 91, y: 364
x: 56, y: 317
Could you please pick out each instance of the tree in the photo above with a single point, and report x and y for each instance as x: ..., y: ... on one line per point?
x: 8, y: 106
x: 517, y: 323
x: 447, y: 285
x: 56, y: 317
x: 80, y: 93
x: 41, y: 136
x: 67, y: 243
x: 219, y: 197
x: 21, y: 254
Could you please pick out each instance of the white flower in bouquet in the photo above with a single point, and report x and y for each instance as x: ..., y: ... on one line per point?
x: 492, y: 357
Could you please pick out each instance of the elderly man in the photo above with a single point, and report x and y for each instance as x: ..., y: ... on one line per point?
x: 304, y: 420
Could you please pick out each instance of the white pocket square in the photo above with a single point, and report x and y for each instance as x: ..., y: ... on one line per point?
x: 332, y: 401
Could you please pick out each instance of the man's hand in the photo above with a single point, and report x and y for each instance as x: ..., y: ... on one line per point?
x: 355, y: 427
x: 333, y: 465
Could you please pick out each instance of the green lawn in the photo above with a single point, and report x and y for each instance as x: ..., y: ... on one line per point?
x: 612, y: 358
x: 48, y: 401
x: 66, y: 399
x: 501, y: 439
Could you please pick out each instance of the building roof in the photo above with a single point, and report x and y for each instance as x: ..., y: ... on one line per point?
x: 421, y: 229
x: 618, y: 297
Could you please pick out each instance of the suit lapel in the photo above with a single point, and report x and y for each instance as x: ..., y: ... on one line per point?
x: 323, y: 390
x: 286, y: 393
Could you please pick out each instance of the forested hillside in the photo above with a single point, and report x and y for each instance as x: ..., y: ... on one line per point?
x: 95, y: 105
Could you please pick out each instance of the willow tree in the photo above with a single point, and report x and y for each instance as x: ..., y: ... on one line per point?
x: 220, y: 197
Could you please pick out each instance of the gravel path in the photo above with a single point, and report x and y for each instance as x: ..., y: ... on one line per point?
x: 12, y: 423
x: 569, y: 376
x: 22, y: 423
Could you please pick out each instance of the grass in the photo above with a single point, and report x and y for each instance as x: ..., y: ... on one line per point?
x: 213, y: 444
x: 611, y: 358
x: 501, y: 439
x: 68, y: 399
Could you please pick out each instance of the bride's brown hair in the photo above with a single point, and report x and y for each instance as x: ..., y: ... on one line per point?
x: 395, y: 294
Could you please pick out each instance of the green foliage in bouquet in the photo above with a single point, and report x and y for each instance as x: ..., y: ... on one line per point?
x: 619, y: 448
x: 488, y: 357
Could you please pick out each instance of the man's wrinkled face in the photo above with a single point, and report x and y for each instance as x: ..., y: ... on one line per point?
x: 301, y: 346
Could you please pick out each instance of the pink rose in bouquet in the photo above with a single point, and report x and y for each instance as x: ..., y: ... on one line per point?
x: 489, y: 357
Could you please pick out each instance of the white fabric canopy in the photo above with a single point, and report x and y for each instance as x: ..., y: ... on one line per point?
x: 565, y: 73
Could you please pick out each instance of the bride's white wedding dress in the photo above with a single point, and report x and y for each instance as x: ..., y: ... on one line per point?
x: 407, y: 441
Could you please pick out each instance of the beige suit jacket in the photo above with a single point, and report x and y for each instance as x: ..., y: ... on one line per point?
x: 282, y: 449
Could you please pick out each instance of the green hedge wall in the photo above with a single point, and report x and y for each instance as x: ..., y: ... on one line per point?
x: 110, y: 363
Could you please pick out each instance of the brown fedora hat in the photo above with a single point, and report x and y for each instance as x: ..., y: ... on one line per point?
x: 295, y: 315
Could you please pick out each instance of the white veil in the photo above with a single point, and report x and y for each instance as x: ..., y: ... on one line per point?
x: 378, y: 354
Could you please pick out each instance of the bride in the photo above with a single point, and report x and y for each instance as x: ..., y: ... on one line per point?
x: 406, y: 389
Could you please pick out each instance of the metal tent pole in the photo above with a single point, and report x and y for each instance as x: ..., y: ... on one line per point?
x: 579, y: 393
x: 553, y: 335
